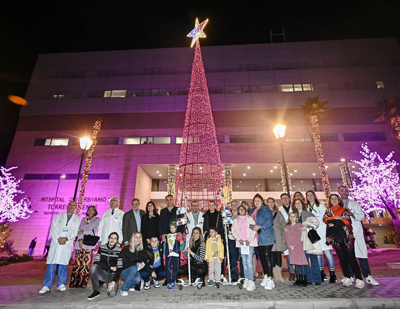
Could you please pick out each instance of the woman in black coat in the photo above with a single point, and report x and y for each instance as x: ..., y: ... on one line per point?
x: 150, y: 220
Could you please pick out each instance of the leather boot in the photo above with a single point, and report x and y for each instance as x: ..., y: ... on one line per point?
x: 298, y: 281
x: 323, y: 276
x: 292, y: 277
x: 279, y: 274
x: 304, y: 282
x: 332, y: 278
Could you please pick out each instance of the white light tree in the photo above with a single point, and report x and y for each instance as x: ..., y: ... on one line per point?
x: 378, y: 186
x: 10, y: 209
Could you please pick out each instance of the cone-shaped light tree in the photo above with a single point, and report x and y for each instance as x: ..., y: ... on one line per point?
x: 200, y: 173
x: 313, y: 109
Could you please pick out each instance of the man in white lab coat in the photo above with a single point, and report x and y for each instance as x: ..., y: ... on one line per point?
x: 64, y: 229
x: 111, y: 221
x: 360, y: 247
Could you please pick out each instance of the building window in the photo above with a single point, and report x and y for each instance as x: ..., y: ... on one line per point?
x: 364, y: 137
x: 131, y: 140
x: 115, y: 93
x: 329, y: 137
x: 297, y: 87
x: 58, y: 96
x: 55, y: 142
x: 162, y: 140
x: 307, y: 87
x: 107, y: 140
x: 178, y: 140
x: 285, y: 88
x: 380, y: 84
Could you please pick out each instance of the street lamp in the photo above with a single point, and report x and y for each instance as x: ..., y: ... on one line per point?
x: 85, y: 144
x: 279, y: 132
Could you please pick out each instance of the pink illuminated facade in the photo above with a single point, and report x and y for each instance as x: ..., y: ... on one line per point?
x: 142, y: 97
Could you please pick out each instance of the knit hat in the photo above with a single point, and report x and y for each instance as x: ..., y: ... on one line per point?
x: 172, y: 223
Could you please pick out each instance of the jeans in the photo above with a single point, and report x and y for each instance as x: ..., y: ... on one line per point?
x: 329, y: 257
x: 313, y: 272
x: 248, y: 264
x: 172, y: 268
x: 51, y: 275
x: 30, y: 251
x: 131, y: 276
x: 291, y: 268
x: 347, y: 258
x: 364, y: 265
x: 98, y: 274
x: 160, y: 271
x: 300, y: 269
x: 233, y: 259
x: 266, y: 259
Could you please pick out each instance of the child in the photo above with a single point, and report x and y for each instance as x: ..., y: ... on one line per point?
x: 245, y: 236
x: 214, y: 256
x: 155, y: 250
x: 296, y: 252
x: 172, y: 251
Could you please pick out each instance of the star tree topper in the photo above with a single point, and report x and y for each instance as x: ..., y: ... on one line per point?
x: 197, y: 32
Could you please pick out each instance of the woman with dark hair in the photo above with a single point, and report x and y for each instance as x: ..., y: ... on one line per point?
x: 319, y: 209
x: 262, y: 215
x: 298, y: 194
x: 340, y: 235
x: 309, y: 221
x: 83, y: 259
x: 197, y: 253
x: 280, y: 245
x: 150, y: 222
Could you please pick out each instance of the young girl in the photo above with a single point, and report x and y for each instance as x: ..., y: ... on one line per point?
x: 245, y: 236
x: 214, y: 255
x: 172, y: 249
x: 296, y: 252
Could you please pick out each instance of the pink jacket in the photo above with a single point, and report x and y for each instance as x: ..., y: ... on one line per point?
x: 251, y: 235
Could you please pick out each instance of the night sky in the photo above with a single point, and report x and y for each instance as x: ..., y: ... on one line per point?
x: 29, y: 28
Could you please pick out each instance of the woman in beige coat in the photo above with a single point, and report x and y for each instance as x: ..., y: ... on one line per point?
x: 280, y: 244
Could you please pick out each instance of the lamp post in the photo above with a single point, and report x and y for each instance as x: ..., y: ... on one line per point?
x: 85, y: 144
x: 279, y: 132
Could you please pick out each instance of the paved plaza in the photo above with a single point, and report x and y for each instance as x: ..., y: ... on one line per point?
x: 285, y: 295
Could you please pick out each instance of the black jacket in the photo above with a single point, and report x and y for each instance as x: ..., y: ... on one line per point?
x: 164, y: 222
x: 132, y: 258
x: 206, y: 225
x: 151, y: 254
x: 108, y: 257
x: 150, y: 227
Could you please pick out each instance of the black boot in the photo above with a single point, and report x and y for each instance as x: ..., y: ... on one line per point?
x: 303, y: 282
x: 323, y: 276
x: 332, y: 278
x: 203, y: 279
x: 298, y: 280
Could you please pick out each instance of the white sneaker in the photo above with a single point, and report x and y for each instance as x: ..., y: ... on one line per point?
x: 269, y: 285
x: 360, y: 284
x: 347, y: 281
x: 272, y: 283
x: 245, y: 283
x: 251, y: 286
x: 371, y: 280
x: 264, y: 282
x: 124, y: 293
x: 131, y: 289
x: 223, y: 280
x: 62, y: 288
x: 44, y: 289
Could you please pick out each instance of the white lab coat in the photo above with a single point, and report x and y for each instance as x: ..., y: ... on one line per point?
x: 360, y: 247
x: 111, y: 223
x: 286, y: 216
x: 191, y: 225
x: 319, y: 212
x: 61, y: 254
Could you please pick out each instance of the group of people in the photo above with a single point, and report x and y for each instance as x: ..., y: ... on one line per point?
x: 144, y: 247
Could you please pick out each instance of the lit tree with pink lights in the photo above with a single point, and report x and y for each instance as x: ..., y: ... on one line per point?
x: 379, y: 186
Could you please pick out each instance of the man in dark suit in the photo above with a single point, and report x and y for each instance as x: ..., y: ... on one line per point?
x: 132, y: 221
x: 167, y: 215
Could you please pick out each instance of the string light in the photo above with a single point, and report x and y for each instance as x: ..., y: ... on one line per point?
x: 88, y: 164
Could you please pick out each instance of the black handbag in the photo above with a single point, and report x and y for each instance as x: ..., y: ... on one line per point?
x: 90, y: 240
x: 313, y: 236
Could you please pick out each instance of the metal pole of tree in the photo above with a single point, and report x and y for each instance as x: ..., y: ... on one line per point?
x: 79, y: 174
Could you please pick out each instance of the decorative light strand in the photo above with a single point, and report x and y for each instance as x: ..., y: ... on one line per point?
x: 346, y: 175
x: 88, y: 164
x: 228, y: 181
x: 283, y: 178
x: 171, y: 185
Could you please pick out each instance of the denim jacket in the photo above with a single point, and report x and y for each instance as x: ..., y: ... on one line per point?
x: 264, y: 219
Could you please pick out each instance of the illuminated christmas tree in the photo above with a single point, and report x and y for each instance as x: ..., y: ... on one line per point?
x: 200, y: 172
x: 378, y: 185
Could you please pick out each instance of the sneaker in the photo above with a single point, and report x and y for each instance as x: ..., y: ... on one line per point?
x: 264, y: 282
x: 156, y: 283
x: 360, y: 284
x: 251, y: 286
x: 234, y: 282
x: 62, y: 288
x: 245, y: 283
x: 172, y: 285
x: 223, y: 280
x: 93, y: 295
x: 44, y: 289
x: 133, y: 289
x: 147, y: 286
x: 371, y: 280
x: 210, y: 283
x: 270, y: 284
x: 347, y: 281
x: 169, y: 286
x: 124, y: 293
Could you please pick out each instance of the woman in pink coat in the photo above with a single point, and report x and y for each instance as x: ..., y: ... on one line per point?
x: 245, y: 238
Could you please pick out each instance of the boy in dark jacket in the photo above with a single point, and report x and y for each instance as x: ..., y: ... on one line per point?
x: 156, y: 251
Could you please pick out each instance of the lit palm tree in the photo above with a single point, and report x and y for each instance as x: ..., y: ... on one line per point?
x: 313, y: 109
x: 389, y: 110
